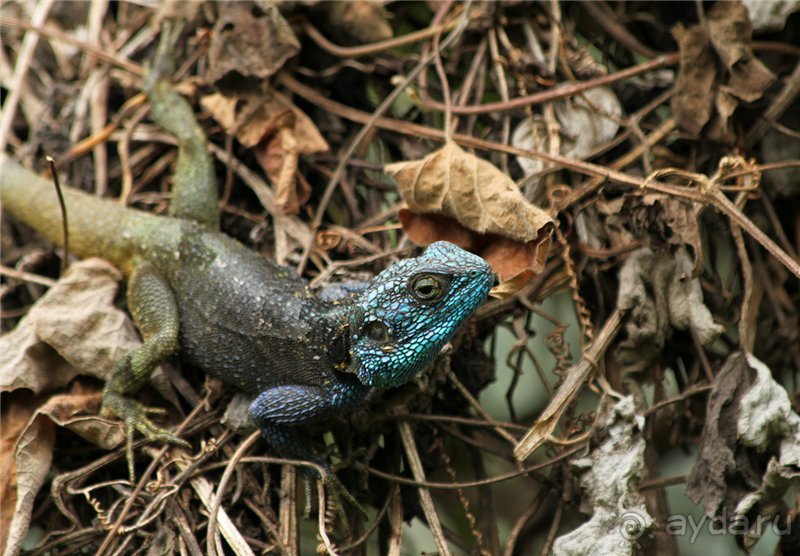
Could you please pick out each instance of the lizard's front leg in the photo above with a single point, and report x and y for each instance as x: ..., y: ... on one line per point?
x: 152, y: 305
x: 279, y: 411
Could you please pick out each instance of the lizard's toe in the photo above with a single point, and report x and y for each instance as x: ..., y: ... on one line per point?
x: 135, y: 417
x: 338, y: 491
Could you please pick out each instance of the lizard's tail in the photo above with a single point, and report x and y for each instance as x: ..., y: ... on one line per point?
x: 96, y: 227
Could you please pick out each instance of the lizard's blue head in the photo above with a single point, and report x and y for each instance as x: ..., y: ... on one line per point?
x: 411, y: 309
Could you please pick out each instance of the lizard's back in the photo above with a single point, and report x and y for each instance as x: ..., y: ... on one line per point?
x: 243, y: 318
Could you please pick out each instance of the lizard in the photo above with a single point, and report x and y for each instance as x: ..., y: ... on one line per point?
x: 237, y: 315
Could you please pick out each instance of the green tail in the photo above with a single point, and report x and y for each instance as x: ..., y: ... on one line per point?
x: 97, y: 227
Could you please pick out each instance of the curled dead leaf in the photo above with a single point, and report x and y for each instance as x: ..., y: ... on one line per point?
x: 749, y: 452
x: 506, y: 289
x: 661, y: 221
x: 27, y: 442
x: 16, y: 412
x: 73, y: 329
x: 278, y: 132
x: 77, y: 411
x: 658, y: 292
x: 28, y: 439
x: 251, y: 118
x: 588, y: 120
x: 694, y: 89
x: 363, y: 20
x: 471, y: 190
x: 717, y: 70
x: 455, y: 196
x: 730, y: 32
x: 249, y: 40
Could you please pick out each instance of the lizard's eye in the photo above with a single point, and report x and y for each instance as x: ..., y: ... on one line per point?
x: 376, y: 331
x: 428, y: 288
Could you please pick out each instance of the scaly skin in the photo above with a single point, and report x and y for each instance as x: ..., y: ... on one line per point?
x: 238, y: 316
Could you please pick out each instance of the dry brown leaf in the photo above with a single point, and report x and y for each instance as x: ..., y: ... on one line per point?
x: 455, y: 196
x: 511, y: 286
x: 278, y: 132
x: 28, y: 441
x: 658, y: 292
x: 730, y: 32
x: 16, y: 412
x: 478, y: 195
x: 514, y: 260
x: 510, y: 259
x: 280, y: 159
x: 361, y: 19
x: 659, y: 221
x: 77, y: 410
x: 73, y: 329
x: 252, y: 118
x: 224, y: 109
x: 694, y: 87
x: 717, y: 70
x: 424, y: 229
x: 249, y: 40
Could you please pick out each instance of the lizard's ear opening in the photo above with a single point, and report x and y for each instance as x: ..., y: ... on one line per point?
x: 377, y: 332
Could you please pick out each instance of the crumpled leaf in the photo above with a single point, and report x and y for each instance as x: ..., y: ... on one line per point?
x: 721, y: 476
x: 279, y: 133
x: 511, y: 286
x: 730, y: 32
x: 750, y: 447
x: 73, y: 329
x: 717, y: 70
x: 586, y: 121
x: 362, y: 20
x: 253, y: 117
x: 659, y: 293
x: 478, y: 195
x: 251, y: 40
x: 27, y: 441
x: 451, y: 186
x: 610, y: 477
x: 77, y: 410
x: 30, y: 438
x: 766, y: 419
x: 694, y: 86
x: 770, y: 16
x: 662, y: 221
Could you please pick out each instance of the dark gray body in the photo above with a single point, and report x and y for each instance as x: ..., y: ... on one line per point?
x: 249, y: 321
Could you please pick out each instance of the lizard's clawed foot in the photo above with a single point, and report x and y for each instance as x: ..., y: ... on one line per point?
x: 134, y: 415
x: 337, y: 492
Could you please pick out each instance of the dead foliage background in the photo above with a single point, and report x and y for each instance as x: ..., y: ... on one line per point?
x: 632, y: 172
